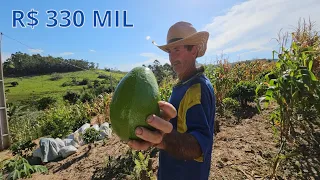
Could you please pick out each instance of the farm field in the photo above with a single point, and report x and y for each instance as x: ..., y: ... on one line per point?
x: 267, y: 123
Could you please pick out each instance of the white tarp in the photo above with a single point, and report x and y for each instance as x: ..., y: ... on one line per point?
x: 51, y: 149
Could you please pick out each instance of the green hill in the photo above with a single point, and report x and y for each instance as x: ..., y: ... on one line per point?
x: 30, y: 88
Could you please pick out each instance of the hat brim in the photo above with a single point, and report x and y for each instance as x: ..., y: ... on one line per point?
x: 200, y: 39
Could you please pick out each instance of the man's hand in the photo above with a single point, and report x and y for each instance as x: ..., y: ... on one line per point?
x: 162, y: 124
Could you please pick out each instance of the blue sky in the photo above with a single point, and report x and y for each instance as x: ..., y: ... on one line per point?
x: 240, y: 29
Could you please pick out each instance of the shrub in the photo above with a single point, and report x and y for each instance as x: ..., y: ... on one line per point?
x: 65, y: 119
x: 104, y: 82
x: 85, y: 81
x: 230, y: 104
x: 58, y: 122
x: 103, y: 76
x: 96, y: 83
x: 244, y: 92
x: 67, y: 84
x: 22, y: 147
x: 71, y: 96
x: 14, y: 84
x: 56, y: 76
x: 91, y: 135
x: 86, y: 96
x: 19, y: 167
x: 46, y: 102
x: 25, y: 124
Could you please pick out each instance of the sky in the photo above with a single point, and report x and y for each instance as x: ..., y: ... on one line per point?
x: 240, y: 30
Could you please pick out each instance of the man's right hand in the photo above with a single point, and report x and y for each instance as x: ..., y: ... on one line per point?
x: 162, y: 124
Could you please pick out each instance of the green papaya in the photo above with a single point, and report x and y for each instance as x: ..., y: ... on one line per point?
x: 134, y: 99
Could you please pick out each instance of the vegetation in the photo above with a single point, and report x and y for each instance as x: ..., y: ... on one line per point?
x: 57, y: 104
x: 22, y: 64
x: 91, y: 135
x: 296, y: 90
x: 32, y: 89
x: 19, y: 167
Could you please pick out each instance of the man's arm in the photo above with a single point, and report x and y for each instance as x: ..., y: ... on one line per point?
x: 182, y: 146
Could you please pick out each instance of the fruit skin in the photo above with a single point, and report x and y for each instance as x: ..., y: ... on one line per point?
x: 134, y: 99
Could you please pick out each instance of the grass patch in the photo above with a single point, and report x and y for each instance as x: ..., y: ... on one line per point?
x: 31, y: 88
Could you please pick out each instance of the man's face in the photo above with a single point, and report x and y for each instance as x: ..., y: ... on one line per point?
x: 181, y: 59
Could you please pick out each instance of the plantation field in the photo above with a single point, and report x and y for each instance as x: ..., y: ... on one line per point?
x: 35, y: 87
x: 267, y: 123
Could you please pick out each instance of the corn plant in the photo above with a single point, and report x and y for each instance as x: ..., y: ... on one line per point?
x: 221, y: 79
x: 295, y: 88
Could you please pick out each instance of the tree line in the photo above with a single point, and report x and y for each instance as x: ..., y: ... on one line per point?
x: 22, y: 64
x: 161, y: 71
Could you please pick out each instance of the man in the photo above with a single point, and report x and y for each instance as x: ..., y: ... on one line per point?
x: 185, y: 128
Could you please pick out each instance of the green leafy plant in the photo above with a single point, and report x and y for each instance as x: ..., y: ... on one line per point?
x: 22, y: 147
x: 91, y: 135
x: 58, y: 122
x: 46, y: 102
x: 143, y: 168
x: 244, y: 92
x: 14, y: 84
x: 19, y: 167
x: 71, y: 96
x: 230, y: 105
x: 294, y: 87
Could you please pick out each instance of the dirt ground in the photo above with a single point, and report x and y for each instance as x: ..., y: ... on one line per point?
x: 241, y: 151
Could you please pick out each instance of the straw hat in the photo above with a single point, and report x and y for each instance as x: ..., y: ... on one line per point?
x: 183, y: 33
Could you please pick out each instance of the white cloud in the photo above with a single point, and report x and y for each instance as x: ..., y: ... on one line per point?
x: 150, y: 58
x: 35, y: 51
x: 5, y: 56
x: 148, y: 37
x: 251, y: 26
x: 91, y: 50
x: 66, y: 53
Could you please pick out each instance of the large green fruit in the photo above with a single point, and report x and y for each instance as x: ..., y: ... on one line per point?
x: 135, y: 98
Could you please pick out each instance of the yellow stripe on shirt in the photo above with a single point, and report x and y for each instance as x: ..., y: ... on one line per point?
x: 192, y: 97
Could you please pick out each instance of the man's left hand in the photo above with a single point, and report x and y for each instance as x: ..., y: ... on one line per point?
x: 162, y: 124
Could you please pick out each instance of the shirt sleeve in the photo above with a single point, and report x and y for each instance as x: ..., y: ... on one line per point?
x: 199, y: 122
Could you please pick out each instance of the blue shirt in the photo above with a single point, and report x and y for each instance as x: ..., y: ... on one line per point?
x: 194, y: 101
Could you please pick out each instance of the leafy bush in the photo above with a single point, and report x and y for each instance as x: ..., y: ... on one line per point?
x: 85, y: 81
x: 58, y: 122
x: 96, y: 83
x: 67, y: 84
x: 19, y: 167
x: 56, y: 76
x: 65, y: 119
x: 103, y: 76
x: 46, y: 102
x: 22, y: 147
x: 87, y: 96
x: 14, y: 84
x: 244, y: 92
x: 230, y: 104
x: 25, y: 124
x: 90, y: 135
x: 71, y: 96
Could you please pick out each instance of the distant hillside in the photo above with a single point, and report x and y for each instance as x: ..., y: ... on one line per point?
x: 30, y: 88
x: 22, y: 64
